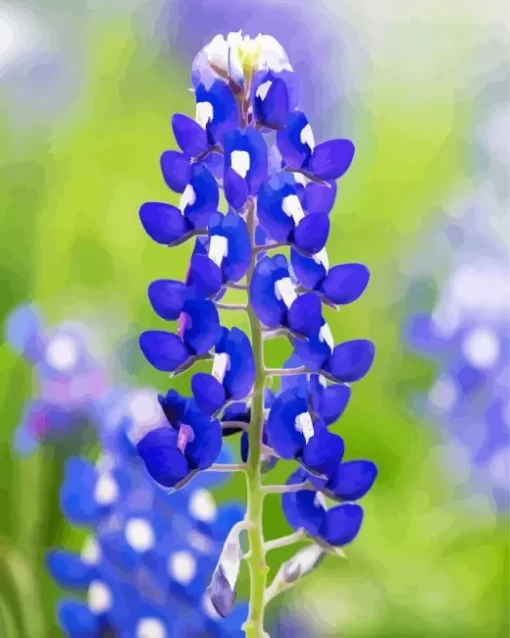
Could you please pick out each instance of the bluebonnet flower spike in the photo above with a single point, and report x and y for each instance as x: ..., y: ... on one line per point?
x: 250, y: 138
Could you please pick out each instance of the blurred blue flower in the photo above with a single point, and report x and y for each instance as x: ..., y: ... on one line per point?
x: 72, y: 382
x: 150, y: 555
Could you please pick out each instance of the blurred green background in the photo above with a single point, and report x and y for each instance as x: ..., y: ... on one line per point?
x: 75, y: 164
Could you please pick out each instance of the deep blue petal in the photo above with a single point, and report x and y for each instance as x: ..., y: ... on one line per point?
x: 295, y: 152
x: 318, y: 198
x: 189, y: 135
x: 167, y: 297
x: 208, y: 392
x: 201, y: 326
x: 298, y: 382
x: 77, y: 500
x: 163, y: 460
x: 283, y: 436
x: 330, y: 160
x: 271, y: 101
x: 311, y: 234
x: 269, y: 310
x: 342, y: 524
x: 176, y: 170
x: 204, y: 449
x: 206, y: 197
x: 173, y: 405
x: 68, y: 569
x: 333, y: 402
x: 251, y: 142
x: 163, y: 223
x: 225, y: 112
x: 205, y: 276
x: 309, y: 272
x: 353, y: 480
x: 244, y: 446
x: 163, y: 350
x: 313, y: 353
x: 236, y: 189
x: 237, y: 261
x: 240, y: 376
x: 305, y: 314
x: 345, y: 283
x: 271, y: 215
x: 76, y: 619
x: 323, y: 453
x: 350, y: 361
x: 302, y: 510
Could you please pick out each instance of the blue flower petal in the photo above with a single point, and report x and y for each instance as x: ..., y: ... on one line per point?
x: 202, y: 326
x: 167, y: 297
x: 22, y: 327
x: 271, y: 101
x: 305, y: 314
x: 311, y: 234
x: 225, y: 112
x: 309, y: 272
x: 206, y: 197
x: 269, y: 310
x: 313, y: 353
x: 342, y: 524
x: 68, y: 569
x: 323, y: 452
x: 294, y: 150
x: 250, y: 143
x: 345, y: 283
x: 176, y: 170
x: 270, y: 207
x: 238, y: 258
x: 333, y: 402
x: 173, y: 405
x: 236, y: 189
x: 189, y: 135
x: 283, y: 436
x: 164, y: 461
x: 301, y: 509
x: 208, y: 392
x: 353, y: 480
x: 163, y: 223
x: 318, y: 198
x: 240, y: 376
x: 163, y: 350
x: 205, y: 448
x: 351, y: 360
x: 205, y: 276
x: 330, y: 160
x: 76, y: 619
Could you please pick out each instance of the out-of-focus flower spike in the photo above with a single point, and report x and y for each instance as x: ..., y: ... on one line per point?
x: 222, y: 590
x: 23, y: 328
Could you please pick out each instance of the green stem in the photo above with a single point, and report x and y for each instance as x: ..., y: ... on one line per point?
x: 254, y: 626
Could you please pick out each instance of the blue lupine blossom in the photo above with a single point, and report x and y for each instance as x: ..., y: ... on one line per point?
x: 72, y: 384
x: 279, y: 188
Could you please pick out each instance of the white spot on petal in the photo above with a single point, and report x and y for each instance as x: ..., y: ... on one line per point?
x: 182, y: 567
x: 306, y: 137
x: 139, y: 534
x: 106, y: 490
x: 326, y: 336
x: 291, y: 206
x: 481, y: 348
x: 204, y: 113
x: 304, y: 424
x: 62, y: 353
x: 150, y: 628
x: 263, y: 89
x: 99, y: 597
x: 240, y: 162
x: 218, y: 249
x: 322, y: 258
x: 188, y: 198
x: 221, y: 364
x: 202, y: 506
x: 285, y: 290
